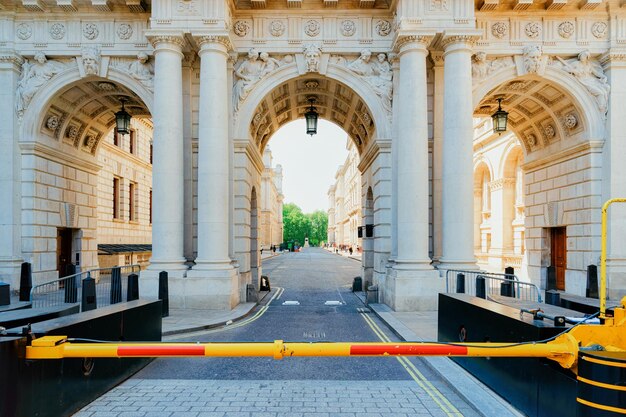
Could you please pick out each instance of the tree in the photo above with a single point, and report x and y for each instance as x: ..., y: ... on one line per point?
x: 297, y: 226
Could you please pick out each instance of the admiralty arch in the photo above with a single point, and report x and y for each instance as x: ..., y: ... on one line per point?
x: 414, y: 84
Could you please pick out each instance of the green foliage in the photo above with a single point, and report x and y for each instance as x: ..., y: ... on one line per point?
x: 297, y: 225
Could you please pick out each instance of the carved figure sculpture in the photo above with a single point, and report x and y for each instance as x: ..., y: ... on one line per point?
x: 269, y: 64
x: 34, y: 76
x: 312, y: 55
x: 91, y: 61
x: 251, y: 70
x: 142, y: 70
x: 590, y: 74
x: 482, y: 67
x: 532, y: 58
x: 377, y: 74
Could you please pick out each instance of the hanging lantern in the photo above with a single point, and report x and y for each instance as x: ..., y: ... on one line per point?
x: 122, y: 120
x: 500, y: 118
x: 311, y: 116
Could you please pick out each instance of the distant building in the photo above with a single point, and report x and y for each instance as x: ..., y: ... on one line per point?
x: 271, y: 202
x: 344, y: 199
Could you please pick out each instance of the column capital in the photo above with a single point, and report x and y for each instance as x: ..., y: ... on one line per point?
x: 501, y: 183
x: 437, y: 57
x: 415, y: 42
x: 216, y: 43
x: 173, y: 41
x: 458, y: 41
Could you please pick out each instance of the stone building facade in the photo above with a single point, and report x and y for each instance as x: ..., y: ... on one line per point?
x: 344, y: 199
x: 271, y: 202
x: 405, y: 79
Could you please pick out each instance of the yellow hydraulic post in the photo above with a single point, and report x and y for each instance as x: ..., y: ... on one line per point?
x: 605, y: 210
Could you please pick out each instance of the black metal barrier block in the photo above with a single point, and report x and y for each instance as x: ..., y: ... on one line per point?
x: 537, y: 387
x: 592, y: 282
x: 265, y: 283
x: 25, y: 316
x: 53, y: 388
x: 89, y: 301
x: 550, y: 278
x: 71, y: 290
x: 116, y: 285
x: 357, y: 284
x: 164, y: 294
x: 481, y: 290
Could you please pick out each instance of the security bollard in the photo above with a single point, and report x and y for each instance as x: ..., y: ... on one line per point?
x: 132, y: 292
x: 551, y: 278
x: 357, y: 284
x: 89, y: 301
x: 460, y: 283
x: 506, y: 288
x: 26, y: 281
x: 164, y: 295
x: 5, y: 294
x: 265, y: 283
x: 592, y: 281
x: 116, y: 285
x: 480, y: 287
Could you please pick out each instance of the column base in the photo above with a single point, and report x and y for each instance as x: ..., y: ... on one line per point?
x: 213, y: 289
x: 413, y: 289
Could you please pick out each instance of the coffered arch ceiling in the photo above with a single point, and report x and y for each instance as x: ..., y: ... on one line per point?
x: 540, y: 112
x: 334, y: 101
x: 81, y: 115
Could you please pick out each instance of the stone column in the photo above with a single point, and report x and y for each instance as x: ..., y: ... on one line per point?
x: 168, y: 168
x: 457, y: 173
x: 214, y: 277
x: 502, y: 215
x: 416, y: 284
x: 188, y: 73
x: 412, y: 166
x: 438, y: 121
x: 10, y: 173
x: 614, y: 175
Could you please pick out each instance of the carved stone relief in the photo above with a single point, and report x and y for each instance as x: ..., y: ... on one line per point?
x: 312, y: 55
x: 499, y: 30
x: 251, y: 70
x: 599, y: 30
x: 34, y: 75
x: 124, y: 31
x: 52, y: 122
x: 383, y: 27
x: 566, y: 29
x: 570, y: 121
x: 532, y: 59
x: 277, y: 28
x: 533, y: 30
x: 312, y: 28
x: 91, y: 31
x: 348, y: 28
x: 482, y: 67
x: 377, y: 74
x: 57, y: 31
x: 91, y: 60
x: 140, y: 69
x: 24, y: 31
x: 438, y: 5
x: 241, y: 28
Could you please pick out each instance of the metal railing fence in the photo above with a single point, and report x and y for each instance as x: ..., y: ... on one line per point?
x: 483, y: 284
x: 111, y: 287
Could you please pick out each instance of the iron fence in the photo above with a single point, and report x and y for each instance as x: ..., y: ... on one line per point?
x: 111, y: 287
x: 483, y: 284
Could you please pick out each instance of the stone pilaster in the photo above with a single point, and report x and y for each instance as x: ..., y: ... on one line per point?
x: 457, y: 169
x: 10, y: 186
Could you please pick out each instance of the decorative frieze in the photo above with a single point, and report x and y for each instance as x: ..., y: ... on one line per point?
x: 501, y: 183
x: 483, y: 67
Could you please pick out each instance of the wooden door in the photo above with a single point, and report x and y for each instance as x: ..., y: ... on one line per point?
x: 559, y: 255
x: 64, y: 250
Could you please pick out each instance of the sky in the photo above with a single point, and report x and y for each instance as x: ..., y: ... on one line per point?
x: 309, y: 163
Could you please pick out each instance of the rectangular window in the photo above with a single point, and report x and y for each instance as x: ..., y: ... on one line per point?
x: 116, y: 198
x: 132, y: 202
x: 150, y: 206
x: 133, y: 142
x: 116, y: 138
x: 151, y: 152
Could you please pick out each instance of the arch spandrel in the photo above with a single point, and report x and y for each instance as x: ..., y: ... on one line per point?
x: 83, y: 105
x: 541, y: 108
x: 344, y: 99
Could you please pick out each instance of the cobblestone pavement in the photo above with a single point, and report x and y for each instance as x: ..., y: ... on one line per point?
x: 299, y: 311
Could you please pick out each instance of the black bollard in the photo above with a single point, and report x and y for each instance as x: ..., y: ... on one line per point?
x: 506, y: 288
x: 480, y: 287
x: 460, y: 283
x: 357, y: 284
x: 26, y: 281
x: 265, y: 283
x: 592, y: 281
x: 116, y: 285
x: 88, y: 301
x: 164, y: 295
x: 551, y: 278
x: 509, y: 271
x: 5, y: 294
x: 132, y: 292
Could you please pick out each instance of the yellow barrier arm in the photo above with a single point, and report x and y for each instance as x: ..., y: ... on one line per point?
x: 605, y: 210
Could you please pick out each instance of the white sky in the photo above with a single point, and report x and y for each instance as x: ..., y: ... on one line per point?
x: 309, y: 163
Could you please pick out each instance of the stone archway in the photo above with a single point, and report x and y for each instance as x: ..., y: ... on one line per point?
x: 65, y: 173
x: 559, y: 126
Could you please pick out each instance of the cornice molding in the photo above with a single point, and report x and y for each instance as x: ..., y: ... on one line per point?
x: 56, y: 155
x: 564, y: 155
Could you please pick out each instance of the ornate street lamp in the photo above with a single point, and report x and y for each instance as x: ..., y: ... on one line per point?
x: 122, y: 120
x: 499, y: 118
x: 311, y: 116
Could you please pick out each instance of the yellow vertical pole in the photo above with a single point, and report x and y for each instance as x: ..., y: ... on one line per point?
x: 605, y: 210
